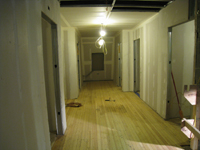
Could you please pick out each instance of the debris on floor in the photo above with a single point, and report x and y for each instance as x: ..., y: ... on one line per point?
x: 72, y: 104
x: 109, y: 100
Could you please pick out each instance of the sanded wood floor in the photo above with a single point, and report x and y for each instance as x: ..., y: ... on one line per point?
x: 124, y: 124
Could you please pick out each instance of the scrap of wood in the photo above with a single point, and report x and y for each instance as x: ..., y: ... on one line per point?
x: 109, y: 100
x: 73, y: 104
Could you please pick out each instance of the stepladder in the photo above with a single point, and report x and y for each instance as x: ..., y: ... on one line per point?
x: 190, y: 127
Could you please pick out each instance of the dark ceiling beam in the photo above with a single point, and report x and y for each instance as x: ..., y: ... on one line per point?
x: 83, y: 4
x: 98, y: 3
x: 134, y: 9
x: 157, y: 4
x: 146, y: 0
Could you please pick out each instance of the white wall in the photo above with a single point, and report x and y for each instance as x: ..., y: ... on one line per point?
x: 64, y: 44
x: 127, y: 61
x: 69, y: 39
x: 23, y: 108
x: 153, y: 35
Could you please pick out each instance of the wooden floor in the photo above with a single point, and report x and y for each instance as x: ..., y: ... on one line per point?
x: 124, y: 124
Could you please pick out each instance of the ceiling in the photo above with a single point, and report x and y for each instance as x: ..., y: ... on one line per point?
x: 88, y: 15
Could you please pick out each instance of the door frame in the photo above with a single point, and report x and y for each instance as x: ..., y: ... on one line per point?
x: 169, y: 67
x: 56, y: 74
x: 119, y: 64
x: 136, y: 65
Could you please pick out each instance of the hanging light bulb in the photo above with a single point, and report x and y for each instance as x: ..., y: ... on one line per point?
x: 101, y: 42
x: 102, y: 33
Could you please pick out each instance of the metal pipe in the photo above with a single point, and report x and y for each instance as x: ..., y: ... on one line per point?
x: 108, y: 15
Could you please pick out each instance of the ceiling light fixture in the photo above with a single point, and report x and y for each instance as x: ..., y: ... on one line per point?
x: 100, y: 42
x: 102, y: 33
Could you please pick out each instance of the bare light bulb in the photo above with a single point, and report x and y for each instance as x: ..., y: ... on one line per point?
x: 101, y: 42
x: 102, y: 33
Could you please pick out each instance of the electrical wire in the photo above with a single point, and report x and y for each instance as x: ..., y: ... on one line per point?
x: 87, y: 74
x: 103, y: 46
x: 104, y: 49
x: 97, y: 43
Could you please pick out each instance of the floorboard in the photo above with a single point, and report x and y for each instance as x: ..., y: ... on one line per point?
x: 124, y: 124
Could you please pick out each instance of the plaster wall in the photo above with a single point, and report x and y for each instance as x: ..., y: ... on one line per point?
x: 64, y: 44
x: 23, y: 108
x: 71, y: 64
x: 153, y: 34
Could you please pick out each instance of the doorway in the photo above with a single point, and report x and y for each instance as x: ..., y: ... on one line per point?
x: 136, y: 46
x: 51, y: 75
x: 181, y: 65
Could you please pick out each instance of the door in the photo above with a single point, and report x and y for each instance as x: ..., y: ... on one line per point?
x: 137, y: 65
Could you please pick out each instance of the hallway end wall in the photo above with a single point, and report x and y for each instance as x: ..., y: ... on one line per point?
x: 88, y: 48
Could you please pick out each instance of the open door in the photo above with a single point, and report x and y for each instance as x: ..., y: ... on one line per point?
x: 137, y: 66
